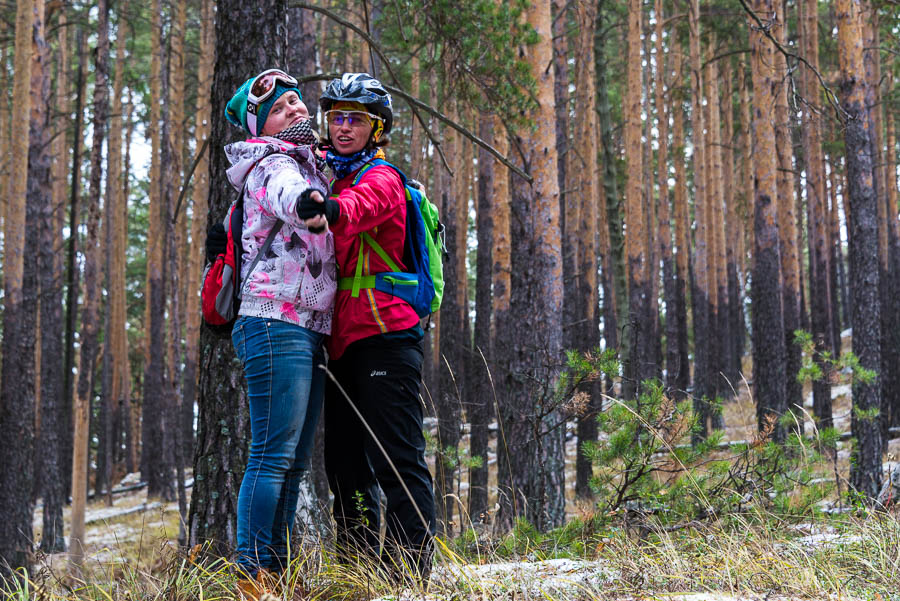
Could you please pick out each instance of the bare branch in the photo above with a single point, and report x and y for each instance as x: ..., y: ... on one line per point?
x: 829, y: 93
x: 187, y: 179
x: 387, y: 64
x: 412, y: 101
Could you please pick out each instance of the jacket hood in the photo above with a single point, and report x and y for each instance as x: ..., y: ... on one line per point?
x: 244, y: 156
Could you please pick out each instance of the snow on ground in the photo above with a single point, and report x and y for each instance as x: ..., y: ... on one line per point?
x: 549, y: 579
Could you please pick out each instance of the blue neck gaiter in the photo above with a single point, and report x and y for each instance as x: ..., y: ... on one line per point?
x: 342, y: 166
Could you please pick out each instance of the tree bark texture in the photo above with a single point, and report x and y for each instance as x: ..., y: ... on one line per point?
x: 17, y: 384
x: 856, y: 96
x: 787, y: 224
x: 817, y: 223
x: 616, y: 308
x: 53, y: 474
x: 766, y: 292
x: 638, y: 361
x: 534, y: 486
x: 480, y: 402
x: 223, y: 428
x: 679, y: 374
x: 892, y: 342
x: 716, y: 241
x: 731, y: 351
x: 454, y: 315
x: 585, y: 164
x: 158, y: 422
x: 199, y: 212
x: 704, y: 391
x: 73, y: 275
x: 90, y: 316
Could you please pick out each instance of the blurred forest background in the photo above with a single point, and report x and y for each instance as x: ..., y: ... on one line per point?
x: 669, y: 190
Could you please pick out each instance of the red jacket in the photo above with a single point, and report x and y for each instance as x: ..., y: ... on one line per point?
x: 377, y: 204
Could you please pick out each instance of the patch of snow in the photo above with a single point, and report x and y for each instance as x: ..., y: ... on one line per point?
x: 531, y: 579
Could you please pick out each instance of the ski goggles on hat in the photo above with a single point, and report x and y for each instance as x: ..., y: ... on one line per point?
x: 262, y: 88
x: 351, y: 118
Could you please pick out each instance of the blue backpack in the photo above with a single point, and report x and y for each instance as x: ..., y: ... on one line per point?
x: 423, y: 285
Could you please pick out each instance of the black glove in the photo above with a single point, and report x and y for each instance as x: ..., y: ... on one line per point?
x: 216, y: 242
x: 307, y: 208
x: 331, y: 210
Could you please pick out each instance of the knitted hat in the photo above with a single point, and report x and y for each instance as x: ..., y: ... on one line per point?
x: 236, y: 109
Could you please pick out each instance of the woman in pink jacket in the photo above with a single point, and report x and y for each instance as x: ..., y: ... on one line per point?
x: 285, y: 314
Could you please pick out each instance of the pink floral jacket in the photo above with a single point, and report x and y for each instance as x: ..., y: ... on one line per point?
x: 296, y: 280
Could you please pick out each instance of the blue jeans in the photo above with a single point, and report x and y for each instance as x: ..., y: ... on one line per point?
x: 285, y: 387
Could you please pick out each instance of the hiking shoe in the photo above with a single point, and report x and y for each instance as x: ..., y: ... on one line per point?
x: 262, y: 588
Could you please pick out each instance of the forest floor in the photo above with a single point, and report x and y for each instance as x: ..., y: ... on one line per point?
x: 143, y: 534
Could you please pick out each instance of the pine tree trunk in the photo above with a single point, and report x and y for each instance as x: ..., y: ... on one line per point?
x: 718, y: 287
x: 787, y: 227
x: 223, y: 424
x: 179, y: 426
x: 857, y: 96
x: 617, y: 308
x: 700, y: 297
x: 732, y: 292
x: 17, y: 382
x: 72, y: 272
x: 585, y: 162
x: 132, y: 409
x: 679, y: 374
x: 156, y: 466
x: 817, y: 224
x: 638, y: 333
x: 839, y: 306
x: 480, y: 401
x: 453, y: 344
x: 892, y: 345
x: 5, y: 141
x: 533, y: 439
x: 89, y: 320
x: 115, y: 340
x: 199, y: 214
x: 766, y: 292
x: 665, y: 224
x: 54, y: 473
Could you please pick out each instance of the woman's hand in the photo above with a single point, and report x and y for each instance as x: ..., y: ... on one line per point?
x: 316, y: 211
x: 311, y: 209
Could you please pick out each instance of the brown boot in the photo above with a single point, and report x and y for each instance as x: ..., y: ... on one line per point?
x: 263, y: 588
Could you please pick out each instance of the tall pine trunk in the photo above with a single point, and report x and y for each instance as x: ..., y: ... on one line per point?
x: 587, y: 231
x: 90, y: 316
x: 766, y: 292
x: 454, y: 314
x: 637, y: 359
x: 616, y: 307
x: 679, y: 374
x: 817, y: 223
x: 54, y: 472
x: 700, y: 297
x: 787, y: 227
x: 481, y: 401
x: 857, y: 97
x: 17, y: 385
x: 534, y: 486
x: 223, y: 427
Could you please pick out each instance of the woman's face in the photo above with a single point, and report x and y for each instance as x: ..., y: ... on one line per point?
x: 349, y: 135
x: 288, y: 110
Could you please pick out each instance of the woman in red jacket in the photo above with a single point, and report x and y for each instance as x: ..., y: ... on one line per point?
x: 375, y: 349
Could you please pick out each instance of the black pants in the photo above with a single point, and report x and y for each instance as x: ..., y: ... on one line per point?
x: 381, y: 379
